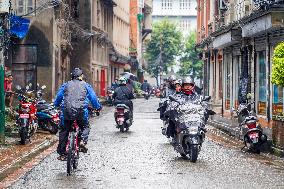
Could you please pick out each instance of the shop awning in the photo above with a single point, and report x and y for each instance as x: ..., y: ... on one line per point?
x: 19, y: 26
x: 227, y: 39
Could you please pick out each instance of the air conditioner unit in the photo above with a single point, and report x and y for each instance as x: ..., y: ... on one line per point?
x: 4, y: 6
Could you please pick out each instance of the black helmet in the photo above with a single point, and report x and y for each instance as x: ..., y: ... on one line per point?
x: 77, y: 72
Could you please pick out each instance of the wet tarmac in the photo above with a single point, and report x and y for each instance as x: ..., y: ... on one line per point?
x: 143, y: 158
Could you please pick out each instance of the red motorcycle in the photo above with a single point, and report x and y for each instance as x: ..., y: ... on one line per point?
x: 27, y: 120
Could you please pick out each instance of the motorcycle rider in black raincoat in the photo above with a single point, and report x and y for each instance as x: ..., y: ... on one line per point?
x: 169, y: 90
x: 124, y: 95
x: 146, y: 87
x: 178, y: 88
x: 74, y: 97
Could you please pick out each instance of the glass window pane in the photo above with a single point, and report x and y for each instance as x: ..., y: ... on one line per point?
x: 262, y: 84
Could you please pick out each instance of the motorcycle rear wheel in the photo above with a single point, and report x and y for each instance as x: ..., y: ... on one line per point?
x: 71, y: 154
x: 121, y: 128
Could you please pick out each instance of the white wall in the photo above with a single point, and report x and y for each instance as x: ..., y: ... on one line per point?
x: 176, y: 9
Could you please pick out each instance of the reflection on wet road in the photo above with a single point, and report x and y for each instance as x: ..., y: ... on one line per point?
x: 143, y: 158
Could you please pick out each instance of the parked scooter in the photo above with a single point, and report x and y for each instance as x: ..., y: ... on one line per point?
x: 122, y: 117
x: 27, y: 120
x: 47, y: 115
x: 253, y: 135
x: 189, y: 119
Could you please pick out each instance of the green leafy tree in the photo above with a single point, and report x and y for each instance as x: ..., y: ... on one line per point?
x: 189, y: 61
x: 163, y: 48
x: 278, y: 65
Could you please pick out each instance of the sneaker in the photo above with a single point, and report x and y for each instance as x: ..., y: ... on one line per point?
x: 82, y: 147
x: 62, y: 158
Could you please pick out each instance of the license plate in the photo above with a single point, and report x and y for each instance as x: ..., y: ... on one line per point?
x: 24, y: 116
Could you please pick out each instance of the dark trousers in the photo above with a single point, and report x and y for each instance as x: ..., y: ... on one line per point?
x: 64, y: 132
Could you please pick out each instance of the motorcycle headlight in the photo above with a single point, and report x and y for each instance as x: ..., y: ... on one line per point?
x: 192, y: 130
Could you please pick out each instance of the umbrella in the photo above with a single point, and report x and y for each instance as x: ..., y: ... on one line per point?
x: 129, y: 75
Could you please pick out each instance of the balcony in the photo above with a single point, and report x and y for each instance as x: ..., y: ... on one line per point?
x: 148, y: 3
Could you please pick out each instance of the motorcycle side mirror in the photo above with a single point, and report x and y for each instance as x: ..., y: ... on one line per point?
x: 172, y: 98
x: 18, y: 87
x: 211, y: 112
x: 249, y: 96
x: 206, y: 98
x: 43, y: 87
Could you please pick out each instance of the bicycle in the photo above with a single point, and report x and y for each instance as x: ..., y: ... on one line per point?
x: 72, y: 148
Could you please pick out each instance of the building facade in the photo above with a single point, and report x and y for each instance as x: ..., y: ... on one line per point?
x: 238, y: 39
x: 121, y: 41
x: 183, y: 12
x: 92, y: 41
x: 140, y: 28
x: 42, y: 55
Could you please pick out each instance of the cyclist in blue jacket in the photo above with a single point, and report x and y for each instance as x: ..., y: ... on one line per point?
x: 74, y: 97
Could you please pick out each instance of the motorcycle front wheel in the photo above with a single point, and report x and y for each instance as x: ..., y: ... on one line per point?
x: 193, y: 153
x: 23, y: 135
x: 52, y: 128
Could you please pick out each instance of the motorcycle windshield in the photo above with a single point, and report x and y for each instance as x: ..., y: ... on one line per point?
x: 190, y: 112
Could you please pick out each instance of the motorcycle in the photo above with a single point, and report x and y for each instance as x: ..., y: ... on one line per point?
x: 27, y: 120
x: 146, y: 95
x: 122, y: 117
x: 158, y: 93
x: 109, y: 97
x: 189, y: 120
x: 47, y: 115
x: 253, y: 136
x: 162, y: 108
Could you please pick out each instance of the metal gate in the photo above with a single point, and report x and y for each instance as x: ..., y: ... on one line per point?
x: 24, y: 65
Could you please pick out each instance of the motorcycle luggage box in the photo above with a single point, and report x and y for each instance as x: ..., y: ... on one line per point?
x: 122, y: 106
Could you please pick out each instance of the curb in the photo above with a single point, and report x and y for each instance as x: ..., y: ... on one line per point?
x: 23, y: 159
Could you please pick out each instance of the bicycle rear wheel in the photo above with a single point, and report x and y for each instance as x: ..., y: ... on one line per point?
x: 70, y: 153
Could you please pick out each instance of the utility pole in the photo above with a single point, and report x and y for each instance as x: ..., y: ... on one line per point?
x: 4, y: 11
x: 160, y: 61
x: 2, y: 99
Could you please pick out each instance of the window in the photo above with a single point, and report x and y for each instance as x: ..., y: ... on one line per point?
x: 277, y: 106
x: 184, y: 4
x: 167, y: 4
x: 261, y: 83
x: 228, y: 75
x: 25, y: 7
